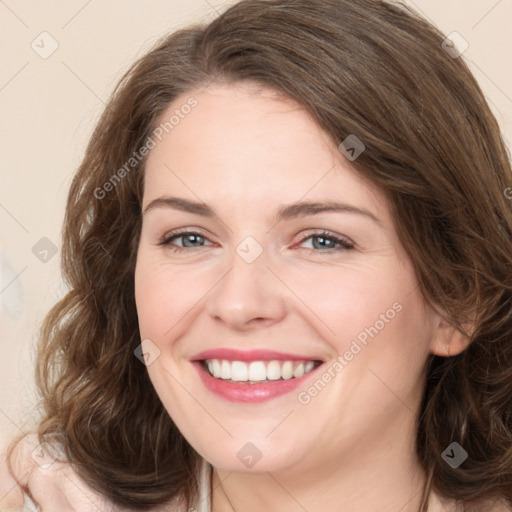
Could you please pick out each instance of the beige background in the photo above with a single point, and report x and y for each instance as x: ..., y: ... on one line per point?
x: 49, y: 107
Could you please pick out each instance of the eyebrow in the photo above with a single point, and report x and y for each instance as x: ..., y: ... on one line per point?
x: 284, y: 212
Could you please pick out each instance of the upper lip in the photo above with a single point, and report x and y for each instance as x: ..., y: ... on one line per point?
x: 231, y: 354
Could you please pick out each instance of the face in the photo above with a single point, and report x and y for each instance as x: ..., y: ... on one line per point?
x: 266, y: 260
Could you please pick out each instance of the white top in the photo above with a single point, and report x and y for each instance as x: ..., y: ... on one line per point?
x: 28, y: 505
x: 204, y: 500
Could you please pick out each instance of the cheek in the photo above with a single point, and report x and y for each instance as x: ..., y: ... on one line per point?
x: 380, y: 330
x: 396, y: 346
x: 347, y: 302
x: 376, y: 315
x: 165, y: 294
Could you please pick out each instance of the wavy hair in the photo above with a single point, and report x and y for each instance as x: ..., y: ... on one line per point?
x: 364, y: 67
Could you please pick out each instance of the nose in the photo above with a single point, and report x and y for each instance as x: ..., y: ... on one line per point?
x: 248, y: 296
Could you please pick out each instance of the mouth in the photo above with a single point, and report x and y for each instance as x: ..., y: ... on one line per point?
x: 253, y: 376
x: 255, y: 372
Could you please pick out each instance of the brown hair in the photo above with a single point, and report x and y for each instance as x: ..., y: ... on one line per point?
x: 362, y: 67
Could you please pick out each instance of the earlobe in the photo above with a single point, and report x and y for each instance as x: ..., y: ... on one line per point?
x: 449, y: 341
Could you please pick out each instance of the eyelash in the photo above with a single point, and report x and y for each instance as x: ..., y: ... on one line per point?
x: 342, y: 242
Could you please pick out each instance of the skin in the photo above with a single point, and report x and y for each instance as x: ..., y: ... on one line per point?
x: 245, y: 152
x: 52, y: 484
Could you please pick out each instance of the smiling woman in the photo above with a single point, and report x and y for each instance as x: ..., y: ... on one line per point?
x: 328, y: 221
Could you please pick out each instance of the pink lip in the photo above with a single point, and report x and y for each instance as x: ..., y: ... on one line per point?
x: 249, y: 393
x: 250, y: 355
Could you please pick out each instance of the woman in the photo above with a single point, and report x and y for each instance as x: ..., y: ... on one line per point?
x: 289, y: 252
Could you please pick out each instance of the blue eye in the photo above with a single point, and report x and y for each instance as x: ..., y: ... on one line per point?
x: 190, y: 239
x: 321, y: 242
x: 327, y: 242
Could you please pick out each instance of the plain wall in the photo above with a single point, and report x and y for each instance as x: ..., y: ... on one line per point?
x: 50, y: 105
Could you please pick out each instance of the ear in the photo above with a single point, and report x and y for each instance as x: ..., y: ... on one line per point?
x: 448, y: 340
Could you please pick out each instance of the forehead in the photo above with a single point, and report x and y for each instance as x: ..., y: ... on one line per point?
x: 238, y: 118
x: 247, y: 143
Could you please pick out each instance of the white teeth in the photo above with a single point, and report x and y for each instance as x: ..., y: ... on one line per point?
x: 257, y: 371
x: 239, y: 371
x: 225, y: 370
x: 216, y: 368
x: 287, y: 370
x: 273, y: 370
x: 299, y: 371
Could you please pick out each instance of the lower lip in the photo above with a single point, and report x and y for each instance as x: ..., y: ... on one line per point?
x: 246, y: 392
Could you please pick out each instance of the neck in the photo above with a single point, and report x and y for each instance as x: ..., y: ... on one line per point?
x: 364, y: 478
